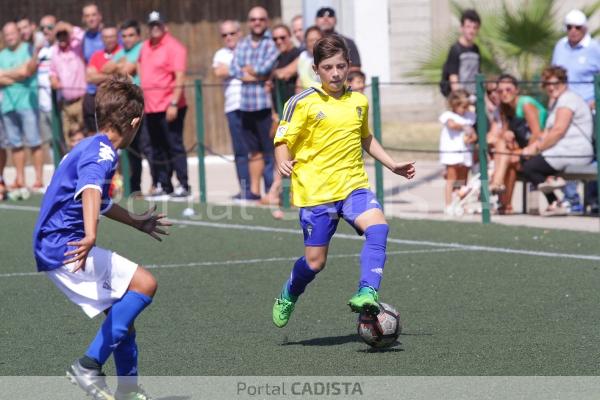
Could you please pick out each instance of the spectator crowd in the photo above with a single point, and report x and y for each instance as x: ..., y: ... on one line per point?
x: 537, y: 140
x: 259, y: 72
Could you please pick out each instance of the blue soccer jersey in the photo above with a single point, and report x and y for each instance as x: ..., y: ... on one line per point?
x: 91, y: 164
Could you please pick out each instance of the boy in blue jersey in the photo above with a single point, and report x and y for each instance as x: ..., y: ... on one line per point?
x: 96, y: 279
x: 319, y: 144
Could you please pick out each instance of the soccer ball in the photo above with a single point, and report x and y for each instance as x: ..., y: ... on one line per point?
x: 382, y: 330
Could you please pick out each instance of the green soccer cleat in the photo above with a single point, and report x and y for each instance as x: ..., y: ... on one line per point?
x: 282, y: 310
x: 365, y: 300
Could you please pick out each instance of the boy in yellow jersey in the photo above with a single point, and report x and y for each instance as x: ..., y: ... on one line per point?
x: 319, y: 143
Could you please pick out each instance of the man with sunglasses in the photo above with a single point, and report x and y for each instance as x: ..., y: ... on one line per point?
x: 255, y: 58
x: 579, y: 54
x: 232, y: 88
x: 47, y: 24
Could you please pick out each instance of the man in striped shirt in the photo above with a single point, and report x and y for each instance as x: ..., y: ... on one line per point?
x: 255, y: 57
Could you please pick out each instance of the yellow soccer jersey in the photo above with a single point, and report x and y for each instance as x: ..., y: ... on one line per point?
x: 324, y: 135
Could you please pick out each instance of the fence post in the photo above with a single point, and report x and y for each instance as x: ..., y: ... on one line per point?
x: 377, y: 134
x: 285, y: 182
x: 597, y: 127
x: 57, y: 131
x: 126, y: 172
x: 200, y: 140
x: 482, y: 129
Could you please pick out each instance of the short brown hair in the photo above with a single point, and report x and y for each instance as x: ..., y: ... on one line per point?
x: 329, y: 46
x: 554, y: 71
x: 458, y: 97
x: 282, y: 26
x: 118, y: 101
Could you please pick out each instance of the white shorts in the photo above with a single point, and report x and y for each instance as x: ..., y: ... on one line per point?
x: 104, y: 281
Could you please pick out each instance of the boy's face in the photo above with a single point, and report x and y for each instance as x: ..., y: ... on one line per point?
x: 469, y: 30
x: 333, y: 72
x: 357, y: 84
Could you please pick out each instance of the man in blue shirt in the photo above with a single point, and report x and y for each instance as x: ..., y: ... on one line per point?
x: 254, y: 59
x: 96, y: 279
x: 579, y: 54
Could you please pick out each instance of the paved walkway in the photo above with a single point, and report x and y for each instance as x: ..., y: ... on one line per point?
x: 421, y: 198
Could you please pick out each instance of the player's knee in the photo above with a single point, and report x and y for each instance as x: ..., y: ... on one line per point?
x: 143, y: 282
x: 316, y: 262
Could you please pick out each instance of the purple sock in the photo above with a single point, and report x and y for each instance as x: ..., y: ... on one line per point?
x: 372, y: 257
x: 300, y: 277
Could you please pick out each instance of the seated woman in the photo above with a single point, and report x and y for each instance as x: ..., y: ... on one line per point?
x: 568, y: 133
x: 523, y: 119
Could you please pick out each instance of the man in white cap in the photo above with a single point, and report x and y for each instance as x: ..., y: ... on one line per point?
x: 579, y: 54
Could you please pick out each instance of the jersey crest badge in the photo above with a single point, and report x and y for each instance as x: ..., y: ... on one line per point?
x: 359, y: 111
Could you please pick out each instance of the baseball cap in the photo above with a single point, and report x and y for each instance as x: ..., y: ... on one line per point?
x: 155, y: 18
x: 576, y: 17
x: 325, y: 12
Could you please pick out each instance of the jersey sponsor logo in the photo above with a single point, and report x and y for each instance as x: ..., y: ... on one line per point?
x: 105, y: 153
x: 281, y: 131
x: 321, y: 115
x: 359, y: 111
x: 378, y: 271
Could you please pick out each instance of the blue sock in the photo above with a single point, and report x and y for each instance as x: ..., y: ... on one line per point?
x: 300, y: 277
x: 116, y: 325
x: 372, y: 256
x: 126, y: 361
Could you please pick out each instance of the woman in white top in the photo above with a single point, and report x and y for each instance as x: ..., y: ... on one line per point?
x: 567, y: 139
x: 307, y: 76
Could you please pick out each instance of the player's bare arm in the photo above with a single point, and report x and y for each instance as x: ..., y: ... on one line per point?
x: 91, y: 199
x: 284, y: 163
x: 375, y: 150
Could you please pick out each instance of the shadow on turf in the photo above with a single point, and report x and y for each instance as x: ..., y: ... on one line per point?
x: 326, y: 341
x: 339, y: 340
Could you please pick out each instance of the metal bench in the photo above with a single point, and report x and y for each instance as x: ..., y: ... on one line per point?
x: 585, y: 173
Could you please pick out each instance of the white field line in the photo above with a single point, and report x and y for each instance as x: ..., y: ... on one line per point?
x: 459, y: 246
x: 245, y: 262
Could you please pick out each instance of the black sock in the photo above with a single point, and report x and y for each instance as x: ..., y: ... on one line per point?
x: 89, y: 363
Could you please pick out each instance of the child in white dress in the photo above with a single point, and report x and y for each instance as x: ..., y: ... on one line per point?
x: 456, y: 145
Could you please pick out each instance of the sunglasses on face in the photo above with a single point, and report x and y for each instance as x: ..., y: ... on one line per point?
x: 47, y: 27
x: 257, y: 19
x: 225, y: 34
x: 550, y: 84
x: 576, y: 27
x: 278, y: 38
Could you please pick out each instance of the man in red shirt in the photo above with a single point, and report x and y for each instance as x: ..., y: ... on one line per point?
x: 94, y: 73
x: 162, y: 66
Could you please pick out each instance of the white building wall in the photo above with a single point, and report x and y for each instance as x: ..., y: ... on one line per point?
x: 392, y: 34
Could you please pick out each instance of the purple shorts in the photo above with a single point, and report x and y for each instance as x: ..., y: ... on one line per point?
x: 320, y: 222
